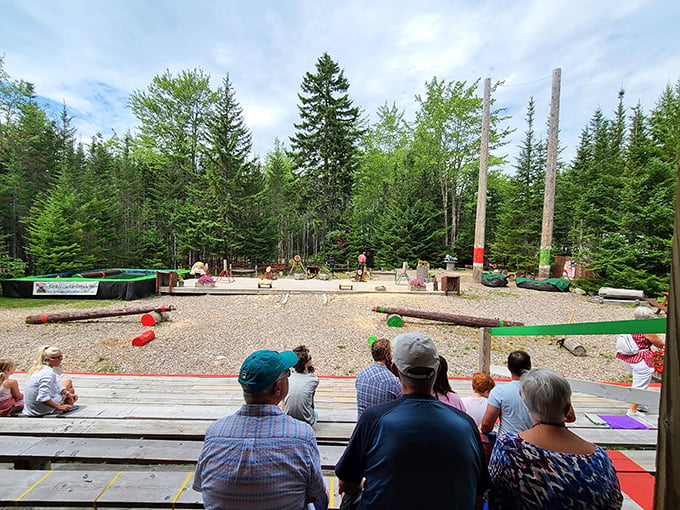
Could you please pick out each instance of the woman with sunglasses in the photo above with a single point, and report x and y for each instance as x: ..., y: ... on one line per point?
x: 44, y: 394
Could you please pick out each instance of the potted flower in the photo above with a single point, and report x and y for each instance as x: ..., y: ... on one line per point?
x: 417, y: 284
x: 205, y: 281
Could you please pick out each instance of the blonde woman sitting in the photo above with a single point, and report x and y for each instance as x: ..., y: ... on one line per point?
x: 44, y: 394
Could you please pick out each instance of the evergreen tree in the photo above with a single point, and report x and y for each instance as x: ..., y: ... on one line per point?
x: 518, y: 235
x: 325, y: 146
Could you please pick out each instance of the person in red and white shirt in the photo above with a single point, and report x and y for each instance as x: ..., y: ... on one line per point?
x: 641, y: 364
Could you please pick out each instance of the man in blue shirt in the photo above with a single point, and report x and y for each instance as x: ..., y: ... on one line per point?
x: 377, y: 384
x: 414, y: 452
x: 260, y: 458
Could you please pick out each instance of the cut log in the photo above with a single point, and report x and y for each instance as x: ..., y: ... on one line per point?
x: 152, y: 318
x: 144, y: 338
x: 78, y: 316
x: 461, y: 320
x: 395, y: 321
x: 572, y: 346
x: 611, y: 293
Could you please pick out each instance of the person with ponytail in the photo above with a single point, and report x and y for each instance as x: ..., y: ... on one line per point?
x: 44, y: 393
x: 11, y: 399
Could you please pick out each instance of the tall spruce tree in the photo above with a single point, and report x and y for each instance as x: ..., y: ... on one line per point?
x: 518, y: 235
x: 325, y: 147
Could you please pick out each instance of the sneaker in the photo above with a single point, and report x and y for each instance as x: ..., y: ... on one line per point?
x: 643, y: 408
x: 636, y: 414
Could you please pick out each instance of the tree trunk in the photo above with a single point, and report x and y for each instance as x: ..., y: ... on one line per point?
x: 462, y: 320
x: 75, y: 316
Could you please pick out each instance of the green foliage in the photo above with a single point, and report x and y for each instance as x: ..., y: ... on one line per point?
x: 187, y: 187
x: 325, y: 146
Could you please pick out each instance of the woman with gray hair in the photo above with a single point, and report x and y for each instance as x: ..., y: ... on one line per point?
x: 548, y: 466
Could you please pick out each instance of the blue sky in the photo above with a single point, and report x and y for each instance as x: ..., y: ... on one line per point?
x: 93, y: 54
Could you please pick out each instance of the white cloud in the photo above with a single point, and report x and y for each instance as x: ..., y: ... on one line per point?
x: 93, y: 54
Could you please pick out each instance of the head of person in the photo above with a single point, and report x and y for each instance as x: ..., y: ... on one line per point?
x: 304, y: 363
x: 417, y: 359
x: 547, y: 395
x: 642, y: 312
x: 7, y: 368
x: 381, y: 350
x: 264, y: 376
x: 482, y: 383
x: 519, y: 362
x: 441, y: 381
x: 49, y: 355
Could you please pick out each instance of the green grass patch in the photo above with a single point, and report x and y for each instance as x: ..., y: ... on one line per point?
x: 21, y: 303
x: 502, y: 293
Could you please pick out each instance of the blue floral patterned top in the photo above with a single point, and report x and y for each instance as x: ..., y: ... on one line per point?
x: 525, y: 476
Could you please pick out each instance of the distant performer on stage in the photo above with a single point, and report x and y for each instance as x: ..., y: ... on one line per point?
x: 361, y: 270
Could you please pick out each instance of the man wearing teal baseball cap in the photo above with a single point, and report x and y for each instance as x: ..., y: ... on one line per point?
x: 259, y: 457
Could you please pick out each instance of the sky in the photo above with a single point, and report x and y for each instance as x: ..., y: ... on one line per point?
x: 92, y: 54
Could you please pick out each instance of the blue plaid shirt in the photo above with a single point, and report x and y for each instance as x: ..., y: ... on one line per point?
x: 259, y: 458
x: 375, y: 385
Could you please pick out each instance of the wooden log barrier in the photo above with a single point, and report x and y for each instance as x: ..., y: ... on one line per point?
x: 461, y: 320
x: 77, y: 316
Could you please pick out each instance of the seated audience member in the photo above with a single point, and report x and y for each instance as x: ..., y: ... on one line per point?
x: 259, y: 458
x: 376, y: 383
x: 299, y: 403
x: 414, y: 452
x: 442, y: 388
x: 11, y: 398
x: 475, y: 405
x: 548, y: 466
x: 505, y: 402
x: 44, y: 393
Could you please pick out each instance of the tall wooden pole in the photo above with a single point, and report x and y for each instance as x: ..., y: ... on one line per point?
x: 550, y: 175
x: 667, y: 489
x: 478, y: 254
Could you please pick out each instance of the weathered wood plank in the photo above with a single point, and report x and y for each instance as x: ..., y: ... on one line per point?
x: 137, y: 428
x: 112, y: 489
x: 618, y: 438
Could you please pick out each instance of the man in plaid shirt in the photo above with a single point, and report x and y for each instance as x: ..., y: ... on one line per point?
x: 377, y: 384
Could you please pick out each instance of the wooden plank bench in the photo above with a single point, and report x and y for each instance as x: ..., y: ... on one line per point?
x: 186, y: 430
x: 119, y: 489
x: 36, y: 452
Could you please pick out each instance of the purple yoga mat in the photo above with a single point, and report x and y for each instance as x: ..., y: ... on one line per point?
x: 619, y: 421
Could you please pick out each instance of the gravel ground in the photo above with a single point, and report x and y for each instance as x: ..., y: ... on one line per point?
x: 211, y: 334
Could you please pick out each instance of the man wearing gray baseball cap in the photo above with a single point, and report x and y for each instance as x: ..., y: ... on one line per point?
x: 260, y: 458
x: 414, y: 452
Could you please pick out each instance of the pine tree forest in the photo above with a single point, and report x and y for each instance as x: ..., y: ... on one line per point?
x: 186, y: 185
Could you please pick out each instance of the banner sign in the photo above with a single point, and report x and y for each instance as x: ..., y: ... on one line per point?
x: 65, y: 288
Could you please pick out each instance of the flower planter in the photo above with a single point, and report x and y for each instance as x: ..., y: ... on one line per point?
x: 299, y: 276
x: 324, y: 276
x: 417, y: 287
x: 199, y: 284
